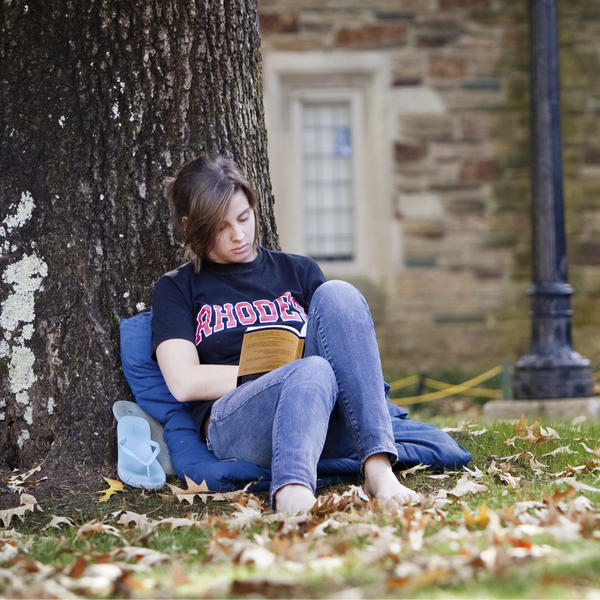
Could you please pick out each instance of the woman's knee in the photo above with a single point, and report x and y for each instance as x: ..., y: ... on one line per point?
x: 315, y: 373
x: 338, y: 296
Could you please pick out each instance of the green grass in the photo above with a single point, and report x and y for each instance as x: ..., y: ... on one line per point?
x: 208, y: 559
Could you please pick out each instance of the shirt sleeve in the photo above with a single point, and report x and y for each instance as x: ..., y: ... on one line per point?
x: 172, y: 314
x: 313, y: 279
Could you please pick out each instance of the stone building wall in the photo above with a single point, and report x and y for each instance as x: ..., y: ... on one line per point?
x: 459, y: 100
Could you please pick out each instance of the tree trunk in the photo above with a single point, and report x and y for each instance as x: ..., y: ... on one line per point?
x: 101, y: 100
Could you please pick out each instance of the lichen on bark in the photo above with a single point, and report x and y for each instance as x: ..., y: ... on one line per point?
x: 125, y: 93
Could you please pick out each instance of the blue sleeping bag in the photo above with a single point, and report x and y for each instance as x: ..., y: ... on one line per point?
x: 417, y: 443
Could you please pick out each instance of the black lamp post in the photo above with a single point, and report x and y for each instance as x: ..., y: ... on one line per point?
x: 552, y: 369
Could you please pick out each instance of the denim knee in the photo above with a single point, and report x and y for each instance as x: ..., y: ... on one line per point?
x: 315, y: 372
x: 338, y: 298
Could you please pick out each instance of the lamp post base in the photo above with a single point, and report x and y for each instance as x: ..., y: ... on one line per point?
x: 550, y: 377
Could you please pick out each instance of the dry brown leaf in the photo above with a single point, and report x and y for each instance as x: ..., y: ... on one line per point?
x: 144, y: 557
x: 527, y: 457
x: 177, y: 522
x: 421, y: 580
x: 558, y: 496
x: 573, y: 471
x: 97, y: 527
x: 334, y: 502
x: 9, y: 549
x: 465, y: 427
x: 141, y: 522
x: 193, y: 489
x: 98, y: 579
x: 578, y: 485
x: 534, y: 433
x: 244, y: 516
x: 56, y: 522
x: 466, y: 486
x: 17, y: 482
x: 561, y: 450
x: 28, y: 504
x: 412, y: 470
x: 263, y: 588
x: 235, y: 496
x: 474, y: 472
x: 595, y: 451
x: 503, y: 473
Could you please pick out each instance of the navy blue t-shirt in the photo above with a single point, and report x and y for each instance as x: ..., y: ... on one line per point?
x: 214, y: 307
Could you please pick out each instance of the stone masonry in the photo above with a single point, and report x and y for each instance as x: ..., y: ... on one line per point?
x: 458, y: 85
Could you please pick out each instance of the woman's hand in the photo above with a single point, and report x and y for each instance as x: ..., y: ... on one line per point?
x: 187, y: 379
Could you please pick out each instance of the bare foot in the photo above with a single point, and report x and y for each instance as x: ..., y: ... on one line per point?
x: 381, y: 483
x: 294, y: 498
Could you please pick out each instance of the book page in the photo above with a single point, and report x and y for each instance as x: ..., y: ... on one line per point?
x: 267, y: 349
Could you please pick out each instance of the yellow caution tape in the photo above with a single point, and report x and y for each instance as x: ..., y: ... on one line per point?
x: 402, y: 383
x: 451, y: 390
x: 476, y: 391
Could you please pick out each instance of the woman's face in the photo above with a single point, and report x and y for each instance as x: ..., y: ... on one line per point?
x: 235, y: 238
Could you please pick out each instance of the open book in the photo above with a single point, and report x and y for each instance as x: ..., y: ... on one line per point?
x: 267, y: 347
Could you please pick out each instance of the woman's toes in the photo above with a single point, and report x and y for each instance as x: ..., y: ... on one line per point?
x: 294, y: 499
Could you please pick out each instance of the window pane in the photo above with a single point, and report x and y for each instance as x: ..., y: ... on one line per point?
x: 327, y: 179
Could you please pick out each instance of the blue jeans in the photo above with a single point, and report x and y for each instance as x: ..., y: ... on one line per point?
x: 329, y: 404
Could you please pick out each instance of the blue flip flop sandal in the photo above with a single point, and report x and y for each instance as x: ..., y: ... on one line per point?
x: 122, y: 408
x: 137, y: 455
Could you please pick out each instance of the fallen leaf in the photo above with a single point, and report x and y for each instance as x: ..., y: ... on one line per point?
x: 519, y: 542
x: 532, y: 433
x: 263, y: 588
x: 421, y: 580
x: 28, y: 504
x: 244, y: 516
x: 58, y: 521
x: 474, y: 472
x: 193, y: 489
x: 561, y: 450
x: 334, y: 502
x: 235, y: 496
x: 144, y: 557
x: 114, y: 486
x: 96, y: 580
x: 177, y: 522
x: 128, y: 517
x: 504, y: 474
x: 412, y: 470
x: 78, y: 567
x: 595, y: 451
x: 28, y: 499
x: 571, y: 470
x: 17, y: 482
x: 465, y: 427
x: 576, y: 484
x: 548, y: 432
x: 527, y: 457
x: 558, y: 496
x: 466, y: 486
x: 97, y: 527
x: 480, y: 520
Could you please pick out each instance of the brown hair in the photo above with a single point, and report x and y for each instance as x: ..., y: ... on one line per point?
x: 201, y: 191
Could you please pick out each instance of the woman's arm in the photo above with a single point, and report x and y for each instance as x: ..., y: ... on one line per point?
x: 186, y: 378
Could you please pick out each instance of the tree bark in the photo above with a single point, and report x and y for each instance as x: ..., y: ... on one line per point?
x: 101, y: 100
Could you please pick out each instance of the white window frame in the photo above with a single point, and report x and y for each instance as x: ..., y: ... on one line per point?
x: 362, y: 78
x: 297, y: 237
